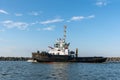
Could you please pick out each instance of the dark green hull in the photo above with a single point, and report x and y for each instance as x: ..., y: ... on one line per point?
x: 65, y: 58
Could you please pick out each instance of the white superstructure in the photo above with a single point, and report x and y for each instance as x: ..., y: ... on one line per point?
x: 60, y: 47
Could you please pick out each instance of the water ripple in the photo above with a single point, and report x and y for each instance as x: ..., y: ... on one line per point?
x: 19, y: 70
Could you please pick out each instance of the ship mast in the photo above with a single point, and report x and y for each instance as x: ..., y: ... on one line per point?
x: 65, y: 32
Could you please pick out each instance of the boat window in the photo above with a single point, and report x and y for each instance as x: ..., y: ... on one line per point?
x: 56, y: 45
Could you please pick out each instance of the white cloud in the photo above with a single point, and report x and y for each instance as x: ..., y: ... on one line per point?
x: 76, y: 18
x: 101, y: 3
x: 12, y: 24
x: 33, y: 23
x: 3, y: 11
x: 79, y: 18
x: 18, y: 14
x: 52, y: 21
x: 49, y: 28
x: 91, y: 16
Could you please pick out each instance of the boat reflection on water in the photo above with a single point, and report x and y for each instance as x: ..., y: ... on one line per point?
x: 59, y: 70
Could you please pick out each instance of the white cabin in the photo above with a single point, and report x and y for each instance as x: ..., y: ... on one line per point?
x: 60, y: 47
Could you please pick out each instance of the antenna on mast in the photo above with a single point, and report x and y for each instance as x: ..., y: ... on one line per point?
x: 65, y: 32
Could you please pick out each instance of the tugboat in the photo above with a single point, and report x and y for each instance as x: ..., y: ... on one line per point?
x: 61, y: 53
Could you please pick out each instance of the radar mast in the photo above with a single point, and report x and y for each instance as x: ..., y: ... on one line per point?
x: 65, y: 32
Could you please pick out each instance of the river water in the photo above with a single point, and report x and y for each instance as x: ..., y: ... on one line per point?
x: 21, y: 70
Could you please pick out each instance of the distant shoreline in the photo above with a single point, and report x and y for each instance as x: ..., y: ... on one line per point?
x: 15, y: 58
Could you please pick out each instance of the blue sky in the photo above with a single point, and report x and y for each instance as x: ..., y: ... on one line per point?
x: 93, y: 26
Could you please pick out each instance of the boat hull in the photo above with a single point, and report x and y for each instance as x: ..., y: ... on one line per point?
x: 65, y: 58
